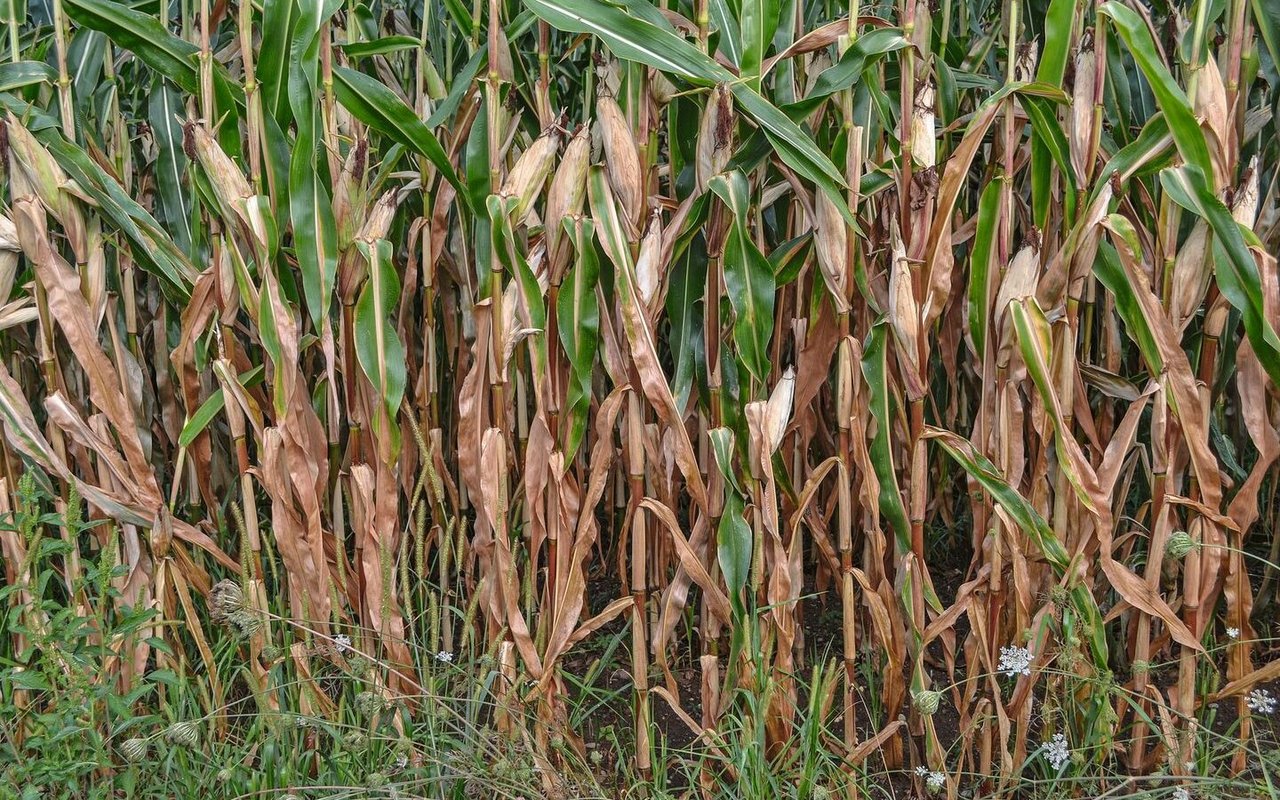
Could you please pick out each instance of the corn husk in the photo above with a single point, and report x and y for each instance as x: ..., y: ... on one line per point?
x: 831, y: 241
x: 565, y: 199
x: 622, y: 158
x: 529, y: 175
x: 715, y: 136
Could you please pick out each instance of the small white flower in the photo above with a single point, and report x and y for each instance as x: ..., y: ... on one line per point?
x: 402, y: 761
x: 445, y: 657
x: 1015, y: 661
x: 1261, y: 702
x: 935, y: 781
x: 1055, y: 751
x: 922, y: 771
x: 1181, y: 794
x: 342, y: 643
x: 1233, y: 633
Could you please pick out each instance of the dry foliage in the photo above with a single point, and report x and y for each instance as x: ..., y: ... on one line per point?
x: 483, y: 329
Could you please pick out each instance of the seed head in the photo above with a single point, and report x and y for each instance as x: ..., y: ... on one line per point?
x: 134, y: 750
x: 926, y: 702
x: 370, y: 703
x: 225, y: 599
x: 355, y: 741
x: 1180, y: 544
x: 183, y: 734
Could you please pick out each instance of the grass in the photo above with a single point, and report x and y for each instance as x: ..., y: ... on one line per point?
x: 569, y: 398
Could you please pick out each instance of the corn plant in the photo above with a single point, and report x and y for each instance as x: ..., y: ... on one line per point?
x: 491, y: 330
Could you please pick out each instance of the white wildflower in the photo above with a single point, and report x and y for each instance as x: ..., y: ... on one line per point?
x: 1055, y: 751
x: 935, y: 781
x: 1261, y: 702
x: 922, y: 771
x: 1233, y: 633
x: 342, y: 643
x: 445, y: 657
x: 1015, y: 661
x: 1181, y: 794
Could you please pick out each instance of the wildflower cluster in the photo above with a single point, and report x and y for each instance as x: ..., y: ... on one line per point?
x: 1015, y: 660
x: 1055, y: 751
x: 1261, y: 701
x: 933, y: 781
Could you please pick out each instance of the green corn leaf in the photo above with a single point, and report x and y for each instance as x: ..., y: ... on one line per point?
x: 1234, y: 266
x: 376, y: 106
x: 17, y: 75
x: 981, y: 275
x: 1172, y: 99
x: 749, y: 278
x: 512, y: 259
x: 865, y: 52
x: 143, y: 35
x: 734, y: 544
x: 874, y: 370
x: 379, y: 47
x: 578, y: 324
x: 165, y: 110
x: 378, y: 348
x: 272, y: 68
x: 684, y: 305
x: 636, y: 39
x: 1051, y: 142
x: 1110, y: 272
x: 210, y: 408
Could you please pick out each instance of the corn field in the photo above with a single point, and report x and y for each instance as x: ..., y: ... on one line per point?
x: 899, y: 382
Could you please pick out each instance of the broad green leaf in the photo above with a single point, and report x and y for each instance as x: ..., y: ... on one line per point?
x: 1151, y: 147
x: 578, y: 324
x: 865, y: 52
x: 272, y: 67
x: 381, y: 46
x: 734, y: 544
x: 378, y: 348
x: 1172, y: 99
x: 315, y: 233
x: 1015, y: 505
x: 749, y: 278
x: 757, y: 21
x: 210, y: 408
x: 1234, y: 265
x: 684, y: 304
x: 165, y: 110
x: 636, y: 39
x: 377, y: 106
x: 724, y: 21
x: 143, y: 35
x: 981, y: 274
x: 512, y: 259
x: 1052, y: 142
x: 84, y: 65
x: 1059, y: 27
x: 147, y: 38
x: 17, y: 75
x: 1110, y: 273
x: 874, y: 370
